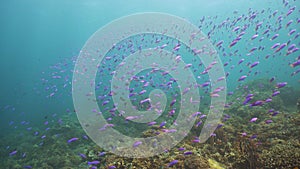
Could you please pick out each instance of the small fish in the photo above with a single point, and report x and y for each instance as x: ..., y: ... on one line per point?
x: 142, y: 92
x: 275, y: 45
x: 82, y: 155
x: 254, y: 119
x: 254, y: 36
x: 235, y: 29
x: 253, y: 49
x: 136, y: 144
x: 181, y: 148
x: 280, y: 85
x: 145, y: 100
x: 233, y: 43
x: 288, y: 24
x: 242, y: 78
x: 257, y: 103
x: 297, y: 63
x: 131, y: 117
x: 162, y: 124
x: 73, y: 139
x: 274, y: 37
x: 13, y: 153
x: 268, y: 121
x: 268, y: 100
x: 244, y: 134
x: 93, y: 162
x: 275, y: 93
x: 188, y: 153
x: 199, y: 123
x: 214, y: 95
x: 266, y: 31
x: 254, y: 136
x: 247, y: 100
x: 205, y: 84
x: 281, y: 47
x: 275, y: 113
x: 292, y: 32
x: 241, y: 61
x: 254, y: 64
x: 202, y: 116
x: 187, y: 66
x: 291, y: 47
x: 151, y: 123
x: 172, y: 163
x: 219, y: 43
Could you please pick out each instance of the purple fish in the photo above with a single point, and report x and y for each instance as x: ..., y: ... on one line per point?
x: 101, y: 153
x: 73, y: 139
x: 205, y: 84
x: 172, y: 163
x: 297, y: 63
x: 275, y: 113
x: 83, y: 156
x: 249, y: 95
x: 236, y: 29
x: 289, y: 22
x: 268, y: 121
x: 188, y: 153
x: 268, y: 100
x: 280, y: 85
x: 274, y: 37
x: 137, y: 143
x: 181, y: 148
x: 233, y: 43
x: 162, y: 124
x: 219, y: 43
x: 257, y: 103
x: 93, y: 162
x: 280, y: 47
x: 13, y: 153
x: 275, y: 45
x: 292, y: 46
x: 254, y: 64
x: 254, y: 36
x: 254, y: 136
x: 247, y: 100
x: 199, y: 123
x: 173, y: 102
x: 151, y: 123
x: 253, y: 49
x: 292, y: 32
x: 266, y: 31
x: 241, y: 61
x: 275, y: 93
x: 242, y: 78
x: 253, y: 119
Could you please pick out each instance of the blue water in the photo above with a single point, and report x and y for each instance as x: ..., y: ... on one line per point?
x: 40, y: 39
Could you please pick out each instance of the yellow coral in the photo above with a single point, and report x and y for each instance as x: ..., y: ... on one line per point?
x: 214, y: 164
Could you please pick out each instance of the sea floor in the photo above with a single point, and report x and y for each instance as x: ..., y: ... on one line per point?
x: 271, y: 141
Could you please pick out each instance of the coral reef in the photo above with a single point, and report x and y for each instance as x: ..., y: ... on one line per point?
x: 282, y: 155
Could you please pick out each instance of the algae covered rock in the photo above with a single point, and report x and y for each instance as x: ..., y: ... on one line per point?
x: 282, y: 156
x: 196, y: 162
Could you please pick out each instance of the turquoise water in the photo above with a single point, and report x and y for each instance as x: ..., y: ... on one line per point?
x: 42, y: 39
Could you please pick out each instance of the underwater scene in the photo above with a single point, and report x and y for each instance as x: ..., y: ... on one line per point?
x: 154, y: 84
